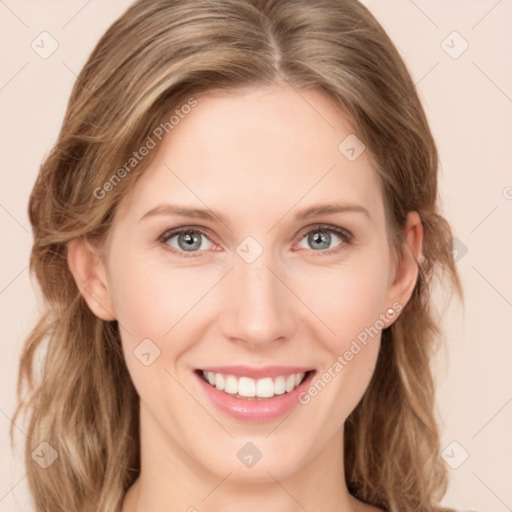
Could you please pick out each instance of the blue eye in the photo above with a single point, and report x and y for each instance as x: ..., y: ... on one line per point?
x: 190, y: 242
x: 320, y: 238
x: 187, y: 239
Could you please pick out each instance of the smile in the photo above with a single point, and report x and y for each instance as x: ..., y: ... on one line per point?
x: 248, y: 388
x: 254, y: 394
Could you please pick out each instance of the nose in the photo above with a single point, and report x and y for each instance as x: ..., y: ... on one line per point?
x: 257, y: 307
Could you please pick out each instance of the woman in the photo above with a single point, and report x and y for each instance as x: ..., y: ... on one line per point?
x: 204, y: 353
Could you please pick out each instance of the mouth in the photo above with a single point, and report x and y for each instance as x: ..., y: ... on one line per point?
x: 254, y: 394
x: 248, y: 388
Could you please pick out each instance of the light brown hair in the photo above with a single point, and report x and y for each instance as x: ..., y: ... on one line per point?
x: 153, y: 59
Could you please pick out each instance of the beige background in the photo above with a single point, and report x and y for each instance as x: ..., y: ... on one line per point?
x: 468, y: 100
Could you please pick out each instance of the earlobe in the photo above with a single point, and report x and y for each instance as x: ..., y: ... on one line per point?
x: 88, y: 270
x: 408, y: 259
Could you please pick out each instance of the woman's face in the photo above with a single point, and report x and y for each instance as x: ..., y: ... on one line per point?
x: 285, y: 270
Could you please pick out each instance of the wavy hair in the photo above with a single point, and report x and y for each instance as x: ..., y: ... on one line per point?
x: 153, y: 59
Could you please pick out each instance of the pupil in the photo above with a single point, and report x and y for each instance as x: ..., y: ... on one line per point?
x: 190, y: 241
x: 323, y: 237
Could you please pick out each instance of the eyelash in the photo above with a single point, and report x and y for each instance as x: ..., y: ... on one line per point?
x: 345, y: 235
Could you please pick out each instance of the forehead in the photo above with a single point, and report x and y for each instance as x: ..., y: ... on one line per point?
x: 258, y: 151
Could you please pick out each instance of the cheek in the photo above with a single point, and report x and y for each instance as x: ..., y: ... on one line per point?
x: 349, y: 356
x: 150, y: 298
x: 350, y: 302
x: 347, y: 300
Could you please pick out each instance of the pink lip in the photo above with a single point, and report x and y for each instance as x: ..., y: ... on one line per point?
x: 255, y: 411
x: 257, y: 373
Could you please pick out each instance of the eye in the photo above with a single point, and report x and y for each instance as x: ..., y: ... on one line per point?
x: 185, y: 240
x: 321, y: 236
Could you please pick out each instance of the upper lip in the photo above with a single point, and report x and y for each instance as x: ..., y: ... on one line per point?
x: 256, y: 372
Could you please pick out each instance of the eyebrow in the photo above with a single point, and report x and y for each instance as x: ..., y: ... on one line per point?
x: 208, y: 214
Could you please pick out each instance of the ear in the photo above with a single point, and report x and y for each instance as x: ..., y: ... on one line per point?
x: 405, y: 275
x: 88, y: 270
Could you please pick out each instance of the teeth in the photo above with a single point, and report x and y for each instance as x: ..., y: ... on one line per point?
x: 251, y: 388
x: 290, y: 383
x: 265, y: 388
x: 220, y: 382
x: 279, y: 385
x: 246, y: 387
x: 231, y: 385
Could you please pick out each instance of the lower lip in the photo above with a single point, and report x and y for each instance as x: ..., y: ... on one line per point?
x: 267, y: 409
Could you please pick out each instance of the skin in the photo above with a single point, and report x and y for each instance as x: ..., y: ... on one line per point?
x: 255, y: 156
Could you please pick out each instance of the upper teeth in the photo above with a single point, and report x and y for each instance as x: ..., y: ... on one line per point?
x: 247, y: 387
